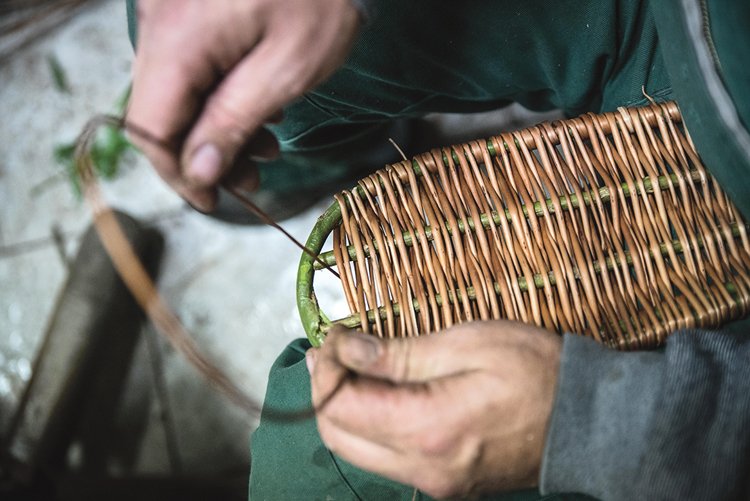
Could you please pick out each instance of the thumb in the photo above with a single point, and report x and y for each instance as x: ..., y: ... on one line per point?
x: 404, y: 360
x: 231, y: 120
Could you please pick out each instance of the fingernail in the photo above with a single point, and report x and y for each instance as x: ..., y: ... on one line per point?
x: 310, y: 361
x: 359, y: 349
x: 203, y: 201
x: 205, y: 166
x: 198, y: 208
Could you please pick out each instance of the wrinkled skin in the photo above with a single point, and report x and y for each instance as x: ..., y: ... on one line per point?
x: 460, y: 413
x: 206, y: 79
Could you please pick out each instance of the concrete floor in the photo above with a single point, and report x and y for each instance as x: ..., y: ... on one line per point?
x: 232, y: 286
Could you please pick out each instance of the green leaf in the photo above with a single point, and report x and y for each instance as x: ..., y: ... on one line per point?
x: 64, y: 152
x: 122, y: 103
x: 107, y: 152
x: 59, y: 76
x: 64, y: 155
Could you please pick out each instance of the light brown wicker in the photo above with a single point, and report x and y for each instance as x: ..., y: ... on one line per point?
x: 605, y: 225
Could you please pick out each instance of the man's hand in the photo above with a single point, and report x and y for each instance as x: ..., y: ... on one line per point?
x: 208, y: 75
x: 459, y: 413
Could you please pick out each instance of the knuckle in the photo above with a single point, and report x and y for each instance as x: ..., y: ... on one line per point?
x: 166, y: 12
x: 296, y: 87
x: 290, y: 87
x: 296, y: 77
x: 222, y: 114
x: 183, y: 71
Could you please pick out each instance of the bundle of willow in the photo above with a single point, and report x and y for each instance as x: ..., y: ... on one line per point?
x: 604, y: 225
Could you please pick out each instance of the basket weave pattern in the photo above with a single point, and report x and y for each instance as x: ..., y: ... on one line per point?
x: 604, y: 225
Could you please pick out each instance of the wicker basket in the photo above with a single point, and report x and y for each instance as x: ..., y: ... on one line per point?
x: 605, y: 225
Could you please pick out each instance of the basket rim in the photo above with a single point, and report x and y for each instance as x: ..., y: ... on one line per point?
x: 307, y: 303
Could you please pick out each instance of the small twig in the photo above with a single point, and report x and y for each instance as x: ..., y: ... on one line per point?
x: 651, y: 99
x: 59, y: 75
x: 270, y: 222
x: 20, y: 248
x: 186, y: 280
x: 398, y: 148
x: 46, y: 184
x: 59, y: 240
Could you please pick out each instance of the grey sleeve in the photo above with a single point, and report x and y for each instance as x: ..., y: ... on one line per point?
x: 667, y: 424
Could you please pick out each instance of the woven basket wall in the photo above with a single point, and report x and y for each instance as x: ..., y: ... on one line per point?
x: 604, y: 225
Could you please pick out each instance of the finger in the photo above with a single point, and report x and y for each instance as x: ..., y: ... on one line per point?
x: 335, y: 395
x: 203, y: 200
x: 175, y: 68
x: 165, y: 164
x: 160, y: 153
x: 262, y: 146
x: 255, y: 89
x: 379, y: 412
x: 326, y: 377
x: 167, y: 89
x: 276, y: 118
x: 367, y: 455
x: 403, y: 417
x: 408, y: 360
x: 245, y: 177
x: 244, y: 172
x: 170, y: 83
x: 165, y: 97
x: 407, y: 468
x: 375, y: 409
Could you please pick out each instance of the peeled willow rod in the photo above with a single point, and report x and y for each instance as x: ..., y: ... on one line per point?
x: 136, y: 278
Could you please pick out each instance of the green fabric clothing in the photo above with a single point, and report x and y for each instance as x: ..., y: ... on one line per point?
x: 427, y: 56
x: 727, y: 19
x: 706, y: 49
